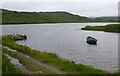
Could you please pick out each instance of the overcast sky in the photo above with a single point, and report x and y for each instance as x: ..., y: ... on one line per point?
x: 89, y: 8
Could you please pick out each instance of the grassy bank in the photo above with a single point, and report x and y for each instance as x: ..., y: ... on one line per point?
x: 50, y: 58
x: 27, y: 62
x: 0, y: 63
x: 8, y: 68
x: 108, y: 28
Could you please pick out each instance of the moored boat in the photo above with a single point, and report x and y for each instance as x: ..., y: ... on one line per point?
x: 91, y: 40
x: 19, y: 37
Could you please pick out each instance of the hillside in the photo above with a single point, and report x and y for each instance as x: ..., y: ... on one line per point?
x: 14, y: 17
x: 108, y: 18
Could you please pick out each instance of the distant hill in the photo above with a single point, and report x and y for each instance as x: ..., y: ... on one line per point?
x: 14, y: 17
x: 106, y: 19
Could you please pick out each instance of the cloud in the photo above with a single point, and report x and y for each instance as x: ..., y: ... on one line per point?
x: 80, y: 8
x: 60, y: 0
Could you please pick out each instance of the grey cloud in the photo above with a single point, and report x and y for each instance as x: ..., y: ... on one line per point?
x: 80, y: 8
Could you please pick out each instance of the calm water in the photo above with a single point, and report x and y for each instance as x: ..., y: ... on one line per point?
x: 69, y: 43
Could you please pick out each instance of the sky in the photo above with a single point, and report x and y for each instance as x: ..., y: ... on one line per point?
x: 88, y: 8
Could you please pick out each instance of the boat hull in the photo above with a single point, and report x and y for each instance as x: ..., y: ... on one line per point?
x: 91, y: 40
x: 19, y: 37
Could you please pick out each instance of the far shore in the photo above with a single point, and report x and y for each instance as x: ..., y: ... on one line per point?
x: 115, y: 28
x: 54, y: 23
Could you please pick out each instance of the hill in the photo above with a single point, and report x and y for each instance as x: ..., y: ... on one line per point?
x: 15, y: 17
x: 106, y: 19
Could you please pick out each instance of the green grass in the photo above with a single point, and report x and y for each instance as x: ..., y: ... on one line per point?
x: 108, y: 28
x: 8, y: 68
x: 106, y: 19
x: 51, y: 58
x: 14, y: 17
x: 27, y: 62
x: 0, y: 64
x: 95, y: 28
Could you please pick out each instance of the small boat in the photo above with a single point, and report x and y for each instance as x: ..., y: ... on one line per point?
x: 91, y: 40
x: 19, y: 37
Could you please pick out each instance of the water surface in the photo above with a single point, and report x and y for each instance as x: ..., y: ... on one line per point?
x: 69, y: 43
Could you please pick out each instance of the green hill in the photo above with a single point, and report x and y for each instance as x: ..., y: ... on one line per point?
x: 106, y: 19
x: 15, y: 17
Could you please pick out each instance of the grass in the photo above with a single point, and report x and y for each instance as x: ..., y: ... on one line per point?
x: 8, y: 68
x: 0, y: 64
x: 27, y: 62
x: 95, y: 28
x: 108, y: 28
x: 15, y: 17
x: 50, y: 58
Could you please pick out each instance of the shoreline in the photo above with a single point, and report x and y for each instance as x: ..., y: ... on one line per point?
x: 114, y: 28
x: 50, y: 58
x: 53, y: 23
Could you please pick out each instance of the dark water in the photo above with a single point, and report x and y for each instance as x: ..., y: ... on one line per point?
x: 69, y: 43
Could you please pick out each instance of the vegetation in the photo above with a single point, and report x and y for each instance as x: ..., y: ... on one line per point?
x: 27, y: 62
x: 50, y: 58
x: 0, y: 64
x: 14, y: 17
x: 107, y: 28
x: 106, y: 19
x: 8, y: 68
